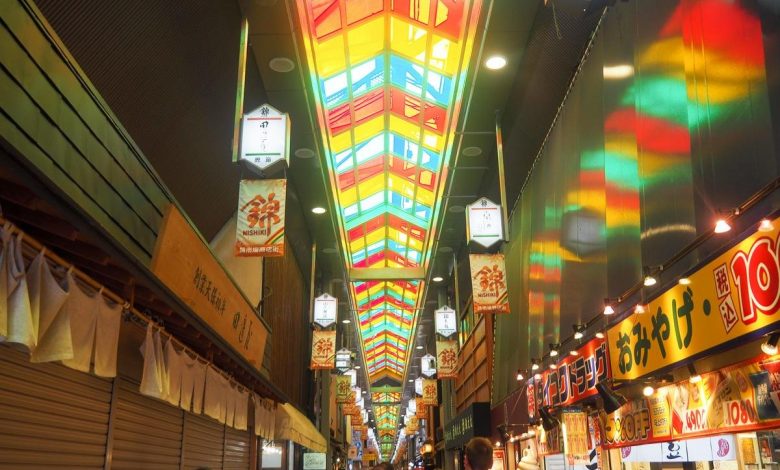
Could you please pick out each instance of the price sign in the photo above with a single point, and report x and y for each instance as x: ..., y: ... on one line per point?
x: 739, y: 412
x: 445, y: 321
x: 265, y: 137
x: 325, y: 310
x: 484, y: 222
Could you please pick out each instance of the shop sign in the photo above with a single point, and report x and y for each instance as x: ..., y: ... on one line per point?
x: 631, y: 424
x: 260, y: 219
x: 498, y: 459
x: 446, y: 324
x: 343, y: 359
x: 714, y: 448
x: 428, y: 365
x: 474, y: 421
x: 575, y: 437
x: 343, y: 389
x: 265, y: 137
x: 185, y: 264
x: 574, y: 379
x: 323, y: 349
x: 736, y: 294
x: 352, y: 454
x: 325, y: 310
x: 412, y: 425
x: 447, y: 358
x: 421, y: 411
x: 314, y: 461
x: 484, y: 222
x: 430, y: 395
x: 488, y: 283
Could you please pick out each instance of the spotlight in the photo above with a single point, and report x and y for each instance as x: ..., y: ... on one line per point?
x: 534, y: 364
x: 437, y: 279
x: 553, y: 366
x: 648, y: 391
x: 765, y: 225
x: 537, y: 376
x: 574, y: 352
x: 612, y: 401
x: 639, y: 309
x: 579, y: 330
x: 554, y: 349
x: 721, y: 226
x: 495, y: 62
x: 520, y: 375
x: 649, y: 279
x: 549, y: 421
x: 770, y: 345
x: 608, y: 310
x: 599, y: 335
x: 684, y: 281
x: 695, y: 377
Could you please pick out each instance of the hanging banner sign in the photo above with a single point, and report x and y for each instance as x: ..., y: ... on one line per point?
x: 740, y: 398
x: 430, y: 395
x: 418, y: 386
x: 446, y: 322
x: 735, y: 294
x: 421, y: 411
x: 325, y: 310
x: 484, y: 222
x: 575, y: 378
x: 576, y: 441
x: 343, y: 389
x: 412, y: 425
x: 447, y: 359
x: 265, y: 137
x: 343, y: 359
x: 488, y: 283
x: 260, y: 221
x: 428, y: 365
x: 323, y: 349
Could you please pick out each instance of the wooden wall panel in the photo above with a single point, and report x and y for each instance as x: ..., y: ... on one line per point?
x: 286, y: 309
x: 475, y: 363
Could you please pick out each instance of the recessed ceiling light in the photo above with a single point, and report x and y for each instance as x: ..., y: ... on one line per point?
x: 437, y: 279
x: 495, y: 62
x: 419, y: 347
x: 318, y: 210
x: 471, y: 152
x: 346, y: 321
x: 358, y: 367
x: 616, y: 72
x: 281, y: 64
x: 304, y: 153
x: 445, y: 249
x: 411, y: 380
x: 330, y: 250
x: 457, y: 209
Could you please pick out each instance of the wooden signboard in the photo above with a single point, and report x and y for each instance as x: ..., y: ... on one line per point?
x: 185, y: 264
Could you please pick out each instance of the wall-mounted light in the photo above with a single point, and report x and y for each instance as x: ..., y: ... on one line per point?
x: 765, y: 225
x: 608, y: 310
x: 520, y: 375
x: 579, y: 330
x: 554, y: 349
x: 639, y: 309
x: 574, y: 352
x: 612, y: 401
x: 553, y: 366
x: 648, y: 277
x: 694, y: 376
x: 770, y: 345
x: 534, y: 364
x: 600, y: 334
x: 648, y: 391
x: 549, y: 421
x: 684, y: 281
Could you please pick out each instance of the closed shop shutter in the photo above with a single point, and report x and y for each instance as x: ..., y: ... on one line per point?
x: 51, y: 416
x: 236, y: 450
x: 204, y: 441
x: 147, y: 432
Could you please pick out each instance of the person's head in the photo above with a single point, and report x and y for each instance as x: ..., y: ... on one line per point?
x: 478, y: 454
x: 383, y: 466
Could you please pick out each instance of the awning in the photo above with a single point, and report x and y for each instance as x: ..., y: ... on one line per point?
x: 292, y: 425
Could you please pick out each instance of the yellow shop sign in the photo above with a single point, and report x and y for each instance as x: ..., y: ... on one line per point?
x: 735, y: 294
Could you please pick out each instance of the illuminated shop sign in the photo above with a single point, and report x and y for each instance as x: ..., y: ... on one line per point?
x: 735, y: 294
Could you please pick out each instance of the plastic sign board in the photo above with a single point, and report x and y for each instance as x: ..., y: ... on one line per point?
x: 265, y: 138
x: 343, y: 359
x: 446, y: 324
x: 488, y: 283
x: 325, y: 310
x: 418, y: 386
x: 428, y: 365
x: 732, y: 296
x: 260, y: 219
x: 323, y: 350
x: 314, y: 461
x: 447, y: 359
x: 484, y: 222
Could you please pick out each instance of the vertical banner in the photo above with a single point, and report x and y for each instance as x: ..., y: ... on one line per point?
x: 430, y: 395
x: 575, y: 437
x: 260, y: 220
x: 422, y: 411
x: 343, y: 388
x: 323, y: 349
x: 447, y: 359
x: 488, y: 283
x: 446, y: 322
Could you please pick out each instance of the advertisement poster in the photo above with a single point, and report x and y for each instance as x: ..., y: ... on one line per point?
x: 260, y: 219
x: 430, y: 395
x: 343, y: 388
x: 574, y: 379
x: 447, y: 359
x: 575, y: 437
x: 488, y: 283
x: 735, y: 294
x: 323, y: 349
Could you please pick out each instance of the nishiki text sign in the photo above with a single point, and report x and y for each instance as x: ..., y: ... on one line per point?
x: 574, y: 379
x: 447, y: 358
x: 735, y: 294
x: 185, y: 264
x: 260, y: 221
x: 488, y: 283
x: 323, y: 349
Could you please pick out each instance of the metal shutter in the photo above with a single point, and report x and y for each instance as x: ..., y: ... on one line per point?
x: 50, y: 415
x: 204, y: 440
x: 236, y: 450
x: 147, y: 432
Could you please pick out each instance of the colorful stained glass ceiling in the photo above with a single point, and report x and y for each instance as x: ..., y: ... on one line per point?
x: 387, y: 77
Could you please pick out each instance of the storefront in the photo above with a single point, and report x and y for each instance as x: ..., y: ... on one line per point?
x: 474, y: 421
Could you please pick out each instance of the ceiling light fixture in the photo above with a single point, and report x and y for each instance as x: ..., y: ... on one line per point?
x: 648, y: 279
x: 599, y: 335
x: 639, y: 309
x: 554, y: 349
x: 520, y: 375
x: 617, y: 72
x: 304, y: 153
x: 472, y: 151
x: 684, y: 281
x: 574, y: 352
x: 346, y: 321
x: 437, y: 279
x: 612, y: 401
x: 608, y: 310
x: 419, y: 346
x: 534, y: 364
x: 694, y: 376
x: 579, y: 330
x: 770, y: 345
x: 318, y: 210
x: 495, y: 62
x: 553, y: 366
x: 765, y: 225
x: 648, y: 391
x: 281, y: 64
x: 721, y: 226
